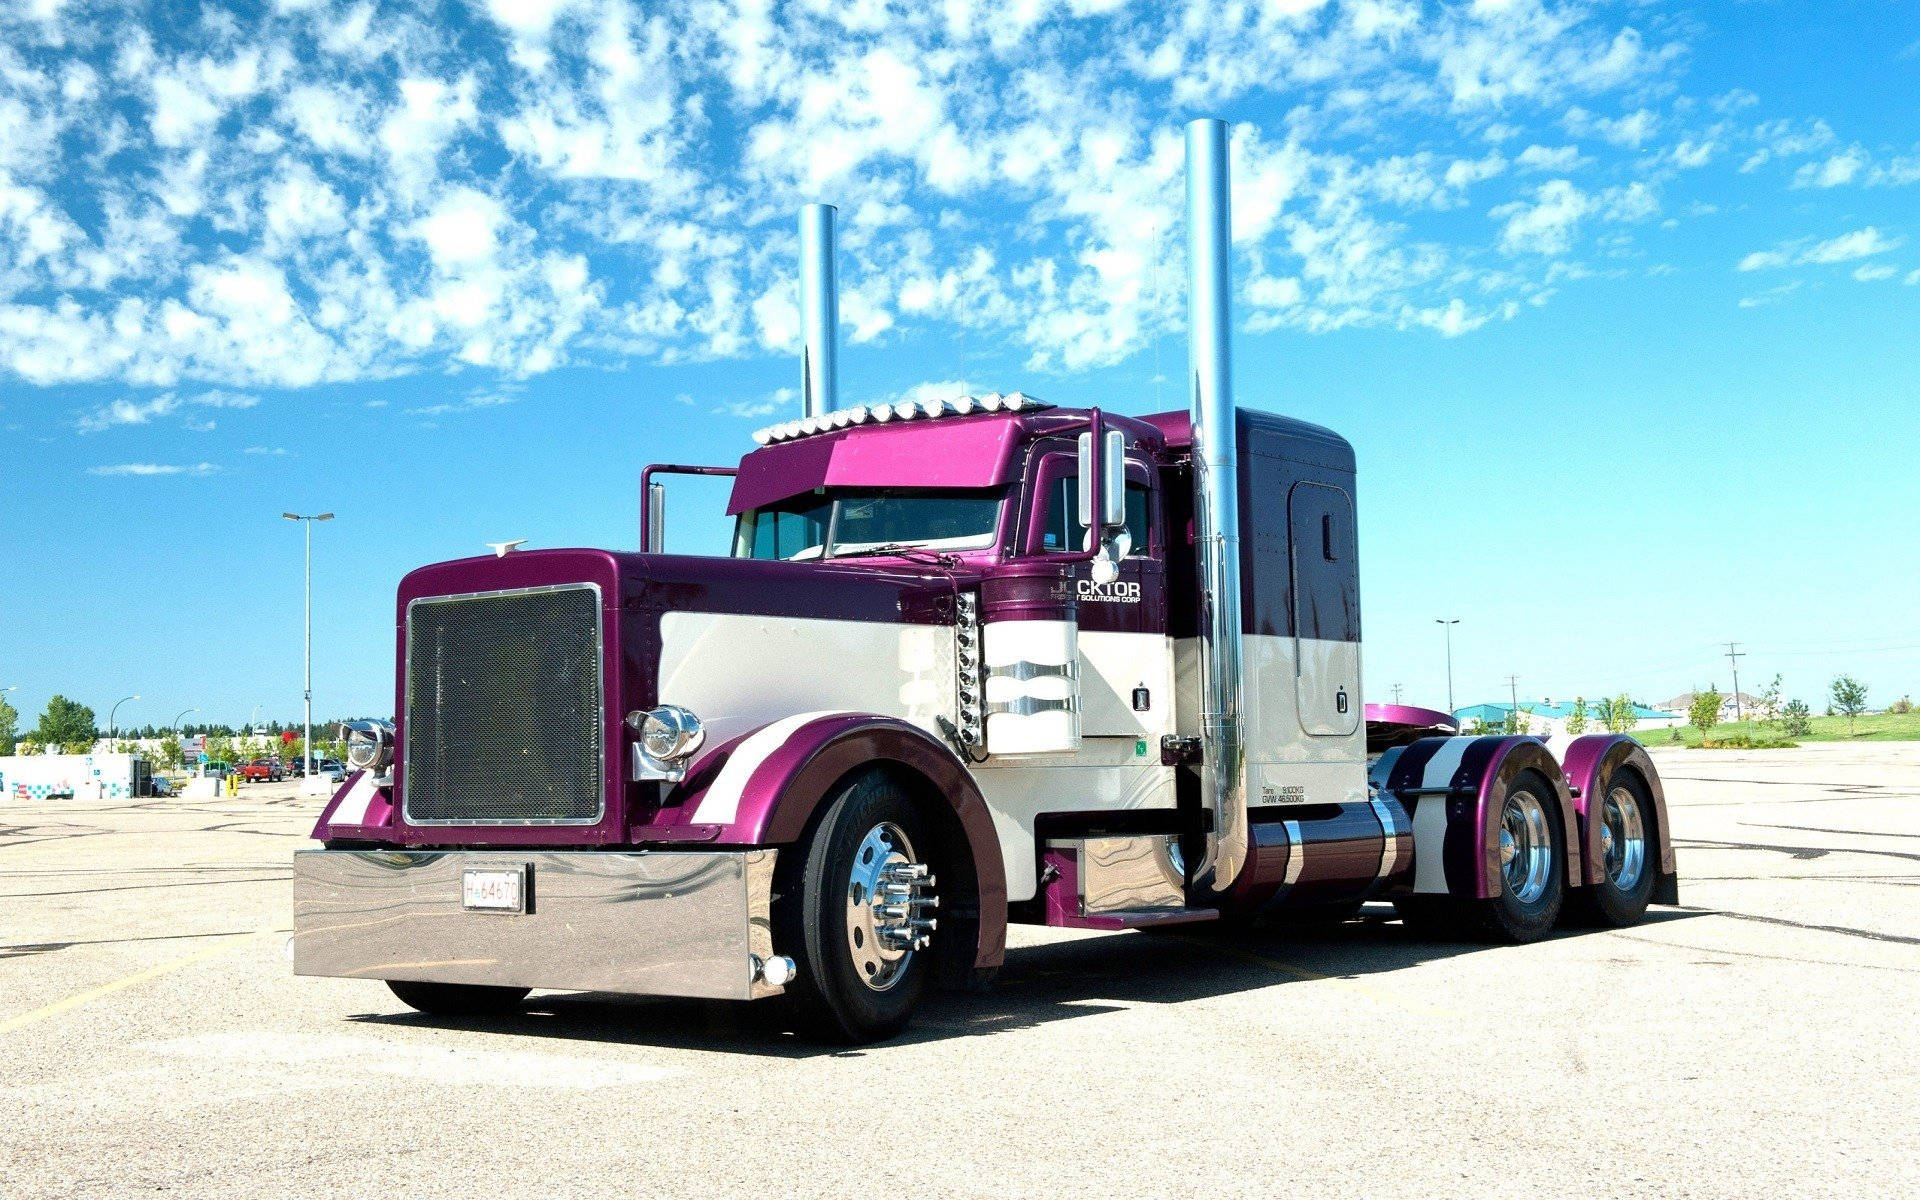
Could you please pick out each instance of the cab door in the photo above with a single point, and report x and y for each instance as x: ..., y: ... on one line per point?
x: 1125, y: 663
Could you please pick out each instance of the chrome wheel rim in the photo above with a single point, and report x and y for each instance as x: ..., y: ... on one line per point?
x: 889, y: 903
x: 1526, y: 847
x: 1623, y: 839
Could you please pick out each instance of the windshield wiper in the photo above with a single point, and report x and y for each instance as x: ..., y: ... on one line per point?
x: 904, y: 551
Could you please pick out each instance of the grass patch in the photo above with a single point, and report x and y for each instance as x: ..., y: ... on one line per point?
x: 1756, y: 735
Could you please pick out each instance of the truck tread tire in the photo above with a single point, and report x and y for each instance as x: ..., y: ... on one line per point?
x: 1504, y: 918
x: 458, y: 999
x: 828, y: 1000
x: 1606, y: 904
x: 1507, y: 918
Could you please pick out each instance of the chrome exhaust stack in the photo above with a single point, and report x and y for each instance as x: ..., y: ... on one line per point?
x: 1216, y: 502
x: 819, y: 312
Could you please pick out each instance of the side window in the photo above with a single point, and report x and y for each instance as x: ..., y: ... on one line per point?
x: 1062, y: 532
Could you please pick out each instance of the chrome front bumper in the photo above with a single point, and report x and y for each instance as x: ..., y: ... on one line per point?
x: 647, y: 923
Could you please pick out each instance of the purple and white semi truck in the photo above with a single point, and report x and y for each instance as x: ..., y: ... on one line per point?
x: 970, y: 662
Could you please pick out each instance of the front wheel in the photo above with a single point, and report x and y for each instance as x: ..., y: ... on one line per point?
x: 458, y: 999
x: 854, y: 907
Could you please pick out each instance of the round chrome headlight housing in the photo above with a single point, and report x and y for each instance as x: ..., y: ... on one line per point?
x: 369, y: 745
x: 668, y: 733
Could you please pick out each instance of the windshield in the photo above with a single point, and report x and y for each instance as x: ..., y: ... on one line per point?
x: 844, y: 522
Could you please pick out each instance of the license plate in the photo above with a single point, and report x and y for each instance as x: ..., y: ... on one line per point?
x: 489, y: 890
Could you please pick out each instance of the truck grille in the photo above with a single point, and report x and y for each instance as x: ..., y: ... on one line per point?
x: 504, y: 719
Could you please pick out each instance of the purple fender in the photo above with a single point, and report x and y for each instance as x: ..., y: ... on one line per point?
x: 359, y: 811
x: 1590, y: 764
x: 1474, y: 775
x: 764, y: 789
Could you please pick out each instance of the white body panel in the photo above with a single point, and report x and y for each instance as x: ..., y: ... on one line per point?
x: 740, y: 672
x: 745, y: 673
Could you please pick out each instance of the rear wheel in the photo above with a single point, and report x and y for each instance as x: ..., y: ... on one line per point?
x: 458, y: 999
x: 1533, y: 875
x: 854, y: 907
x: 1626, y: 848
x: 1533, y: 864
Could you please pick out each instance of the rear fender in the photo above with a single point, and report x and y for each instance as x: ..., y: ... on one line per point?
x: 764, y: 789
x: 1590, y: 764
x: 1456, y: 789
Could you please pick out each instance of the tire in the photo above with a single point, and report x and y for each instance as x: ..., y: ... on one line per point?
x: 855, y: 986
x: 1530, y: 894
x: 458, y: 999
x: 1530, y: 898
x: 1629, y: 850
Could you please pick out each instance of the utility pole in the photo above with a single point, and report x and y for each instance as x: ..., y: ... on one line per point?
x: 1513, y: 694
x: 1734, y: 655
x: 1448, y: 623
x: 1396, y: 693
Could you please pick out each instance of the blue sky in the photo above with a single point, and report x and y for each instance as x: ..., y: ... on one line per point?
x: 1618, y: 302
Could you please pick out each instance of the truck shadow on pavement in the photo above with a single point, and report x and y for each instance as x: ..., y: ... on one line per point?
x: 1057, y: 981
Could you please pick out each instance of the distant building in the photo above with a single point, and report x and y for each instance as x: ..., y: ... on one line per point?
x: 1681, y: 706
x: 1548, y: 718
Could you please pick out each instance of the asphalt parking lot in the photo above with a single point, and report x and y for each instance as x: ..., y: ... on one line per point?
x: 1762, y: 1039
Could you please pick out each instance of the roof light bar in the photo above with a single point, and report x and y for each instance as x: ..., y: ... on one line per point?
x: 901, y: 410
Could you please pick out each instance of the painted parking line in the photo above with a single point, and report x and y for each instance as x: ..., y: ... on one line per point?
x: 78, y: 999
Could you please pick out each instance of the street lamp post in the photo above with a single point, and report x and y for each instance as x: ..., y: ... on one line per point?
x: 176, y: 720
x: 1448, y: 623
x: 306, y: 744
x: 112, y: 712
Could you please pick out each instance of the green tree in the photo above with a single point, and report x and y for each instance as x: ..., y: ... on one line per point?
x: 68, y: 725
x: 169, y: 753
x: 1849, y: 699
x: 1796, y: 719
x: 1704, y: 712
x: 1577, y: 719
x: 1767, y: 708
x: 9, y: 725
x: 1618, y: 715
x: 1519, y: 720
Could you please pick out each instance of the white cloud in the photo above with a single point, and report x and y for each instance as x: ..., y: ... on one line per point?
x: 316, y: 192
x: 1870, y: 272
x: 780, y: 400
x: 143, y: 469
x: 1842, y: 168
x: 1556, y: 159
x: 1547, y: 224
x: 139, y: 412
x: 463, y: 228
x: 1848, y: 247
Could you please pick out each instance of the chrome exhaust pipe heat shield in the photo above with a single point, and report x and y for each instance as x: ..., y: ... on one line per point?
x: 819, y: 312
x: 1216, y: 456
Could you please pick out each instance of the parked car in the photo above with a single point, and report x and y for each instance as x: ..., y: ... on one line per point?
x: 332, y: 768
x: 160, y: 785
x: 263, y: 770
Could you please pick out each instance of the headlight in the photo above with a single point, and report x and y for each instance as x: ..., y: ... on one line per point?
x: 668, y: 733
x: 369, y: 745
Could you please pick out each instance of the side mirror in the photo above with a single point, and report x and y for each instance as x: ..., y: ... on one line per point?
x: 1103, y: 483
x: 1103, y: 499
